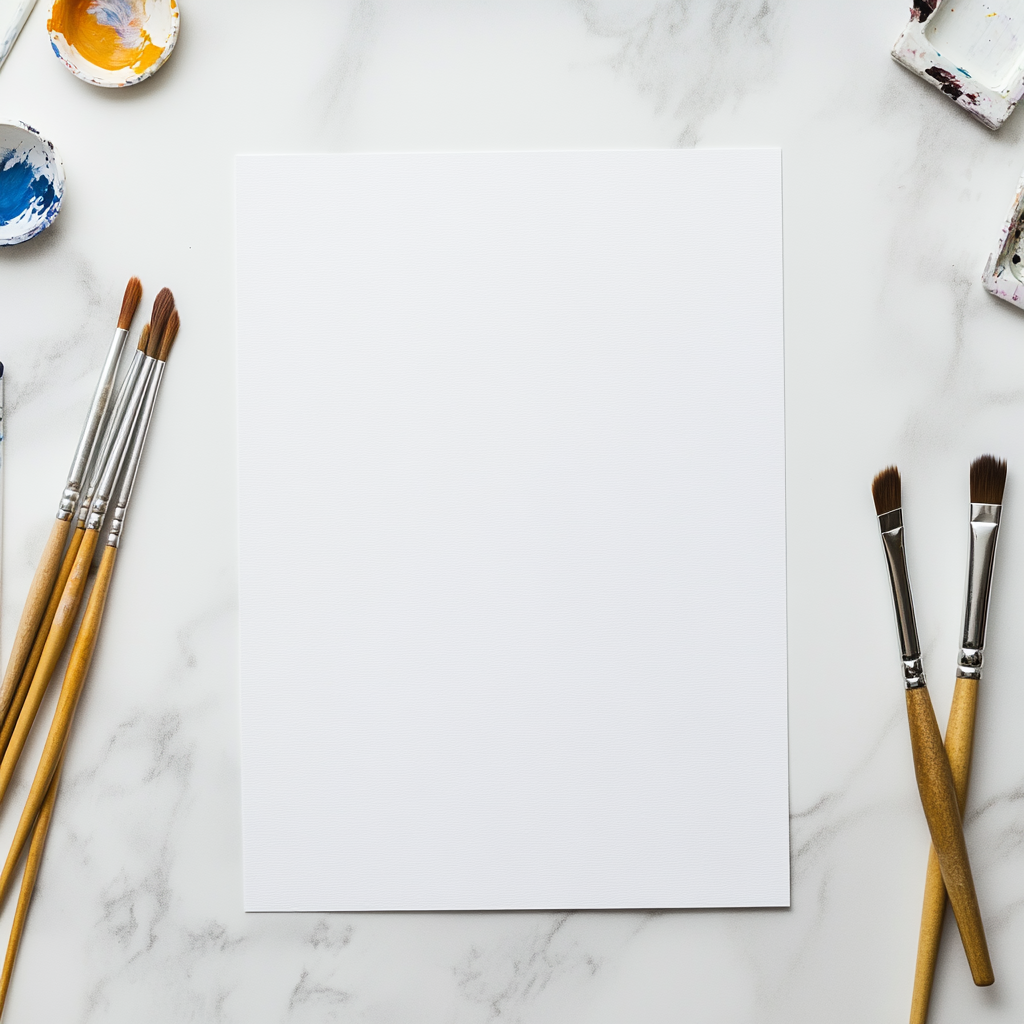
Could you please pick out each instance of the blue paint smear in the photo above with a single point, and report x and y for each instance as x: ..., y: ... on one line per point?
x: 118, y: 14
x: 21, y: 189
x: 964, y: 73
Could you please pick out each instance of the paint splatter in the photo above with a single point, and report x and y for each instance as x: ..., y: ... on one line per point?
x: 25, y: 193
x: 109, y: 34
x: 947, y: 82
x: 921, y: 10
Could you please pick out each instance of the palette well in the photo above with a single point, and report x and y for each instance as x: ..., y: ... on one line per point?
x: 113, y: 43
x: 971, y: 50
x: 31, y: 182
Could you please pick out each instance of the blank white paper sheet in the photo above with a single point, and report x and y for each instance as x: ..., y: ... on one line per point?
x: 512, y: 530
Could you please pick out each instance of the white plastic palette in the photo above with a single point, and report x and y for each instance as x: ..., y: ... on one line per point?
x: 972, y: 50
x: 1004, y: 272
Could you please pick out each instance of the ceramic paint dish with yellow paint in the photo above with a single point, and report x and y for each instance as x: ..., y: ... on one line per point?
x: 113, y: 43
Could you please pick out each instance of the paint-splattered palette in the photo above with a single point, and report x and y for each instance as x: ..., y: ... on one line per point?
x: 31, y: 183
x: 1004, y: 272
x: 973, y: 50
x: 113, y: 43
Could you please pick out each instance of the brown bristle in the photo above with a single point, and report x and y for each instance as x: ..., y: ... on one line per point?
x: 144, y: 338
x: 887, y: 490
x: 152, y: 344
x: 170, y: 333
x: 162, y: 306
x: 988, y: 478
x: 130, y: 303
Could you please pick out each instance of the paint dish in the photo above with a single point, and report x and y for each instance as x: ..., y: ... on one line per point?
x: 1004, y: 272
x: 31, y: 183
x: 971, y: 50
x: 113, y: 43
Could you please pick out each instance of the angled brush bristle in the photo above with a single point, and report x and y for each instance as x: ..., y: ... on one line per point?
x: 887, y: 490
x: 988, y: 478
x: 170, y: 333
x: 130, y: 303
x: 162, y: 306
x: 144, y: 338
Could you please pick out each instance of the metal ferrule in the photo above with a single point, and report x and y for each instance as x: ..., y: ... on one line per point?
x: 984, y: 533
x: 134, y: 457
x: 891, y: 526
x: 102, y: 450
x: 91, y: 430
x: 115, y: 457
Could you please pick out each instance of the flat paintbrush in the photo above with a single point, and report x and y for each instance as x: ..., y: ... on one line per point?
x: 88, y: 633
x: 934, y: 778
x: 49, y: 564
x: 74, y: 589
x: 988, y: 479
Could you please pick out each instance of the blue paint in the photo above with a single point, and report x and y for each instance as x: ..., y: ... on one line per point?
x: 118, y: 14
x: 22, y: 189
x: 964, y: 73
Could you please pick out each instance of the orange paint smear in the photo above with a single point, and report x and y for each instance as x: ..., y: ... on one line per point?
x: 100, y: 44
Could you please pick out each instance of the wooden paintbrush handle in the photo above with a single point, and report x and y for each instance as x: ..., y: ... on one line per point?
x: 28, y: 883
x: 959, y: 746
x: 35, y: 605
x: 56, y: 739
x: 938, y: 798
x: 37, y: 648
x: 63, y: 622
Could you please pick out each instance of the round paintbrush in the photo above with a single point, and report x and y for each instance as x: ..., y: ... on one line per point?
x: 88, y: 633
x: 49, y: 564
x: 70, y: 598
x: 65, y: 571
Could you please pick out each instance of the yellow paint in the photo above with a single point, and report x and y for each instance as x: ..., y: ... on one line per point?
x: 101, y: 44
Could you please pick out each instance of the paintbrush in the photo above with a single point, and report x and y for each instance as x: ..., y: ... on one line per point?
x: 71, y: 596
x: 934, y: 777
x: 88, y: 633
x: 43, y: 631
x: 49, y: 564
x: 988, y: 479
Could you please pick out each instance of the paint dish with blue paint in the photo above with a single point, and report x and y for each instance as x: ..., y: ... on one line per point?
x: 31, y: 182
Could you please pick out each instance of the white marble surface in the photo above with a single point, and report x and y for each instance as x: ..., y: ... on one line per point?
x: 894, y: 352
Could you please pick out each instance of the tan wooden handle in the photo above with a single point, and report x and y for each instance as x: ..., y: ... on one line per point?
x: 60, y: 630
x: 938, y: 798
x: 11, y: 720
x: 56, y: 739
x: 35, y: 604
x: 28, y: 883
x: 959, y: 746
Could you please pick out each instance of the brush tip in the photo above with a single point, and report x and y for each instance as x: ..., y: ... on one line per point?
x: 163, y: 304
x: 988, y: 478
x: 170, y: 333
x: 130, y: 303
x: 144, y: 338
x: 887, y: 490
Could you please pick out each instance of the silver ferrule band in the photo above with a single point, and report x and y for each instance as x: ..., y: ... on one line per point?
x: 134, y: 458
x: 90, y: 431
x: 891, y: 526
x: 978, y: 588
x: 102, y: 450
x: 115, y: 457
